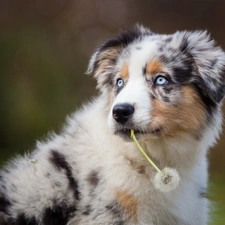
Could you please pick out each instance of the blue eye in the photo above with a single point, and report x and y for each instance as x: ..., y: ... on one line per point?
x: 119, y: 82
x: 161, y: 80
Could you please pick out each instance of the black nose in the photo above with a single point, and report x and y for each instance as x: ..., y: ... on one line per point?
x: 122, y: 112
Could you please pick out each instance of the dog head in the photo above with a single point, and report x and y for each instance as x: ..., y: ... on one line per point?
x: 160, y: 84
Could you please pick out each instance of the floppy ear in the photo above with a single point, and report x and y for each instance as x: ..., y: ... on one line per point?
x: 210, y: 62
x: 104, y: 59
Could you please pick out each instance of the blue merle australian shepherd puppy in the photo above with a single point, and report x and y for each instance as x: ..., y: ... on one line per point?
x: 168, y: 89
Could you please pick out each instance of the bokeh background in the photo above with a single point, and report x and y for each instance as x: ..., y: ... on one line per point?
x: 45, y: 46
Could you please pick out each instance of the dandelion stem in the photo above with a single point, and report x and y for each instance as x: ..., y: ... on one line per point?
x: 143, y: 152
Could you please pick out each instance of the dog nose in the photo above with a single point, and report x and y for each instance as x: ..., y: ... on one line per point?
x: 122, y: 112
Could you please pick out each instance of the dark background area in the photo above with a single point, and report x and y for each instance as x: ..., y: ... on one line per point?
x: 45, y: 46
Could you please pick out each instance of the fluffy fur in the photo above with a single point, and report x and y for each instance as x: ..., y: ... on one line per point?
x: 168, y: 88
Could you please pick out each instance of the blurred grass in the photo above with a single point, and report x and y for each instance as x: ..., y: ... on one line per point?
x: 40, y: 83
x: 216, y: 193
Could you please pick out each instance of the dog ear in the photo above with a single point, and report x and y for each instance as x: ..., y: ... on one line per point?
x: 104, y: 59
x: 209, y: 61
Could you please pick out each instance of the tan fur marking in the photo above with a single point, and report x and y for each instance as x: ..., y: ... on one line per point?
x: 129, y: 203
x: 154, y: 67
x: 105, y: 59
x: 189, y: 115
x: 124, y: 72
x: 194, y: 108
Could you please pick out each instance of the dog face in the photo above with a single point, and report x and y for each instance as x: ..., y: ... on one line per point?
x: 160, y: 85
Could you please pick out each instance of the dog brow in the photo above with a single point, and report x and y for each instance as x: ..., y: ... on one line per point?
x: 153, y: 67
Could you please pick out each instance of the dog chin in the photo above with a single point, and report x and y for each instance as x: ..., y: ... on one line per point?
x: 124, y: 134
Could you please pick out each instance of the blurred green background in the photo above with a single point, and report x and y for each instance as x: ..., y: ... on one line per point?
x: 45, y: 46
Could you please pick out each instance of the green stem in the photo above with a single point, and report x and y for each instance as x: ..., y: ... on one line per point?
x: 142, y: 151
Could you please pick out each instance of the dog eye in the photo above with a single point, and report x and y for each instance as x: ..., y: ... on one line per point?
x: 120, y: 82
x: 161, y: 80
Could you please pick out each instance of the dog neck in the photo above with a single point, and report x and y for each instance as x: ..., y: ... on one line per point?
x: 183, y: 151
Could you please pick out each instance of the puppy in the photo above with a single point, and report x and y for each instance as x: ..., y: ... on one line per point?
x: 168, y: 89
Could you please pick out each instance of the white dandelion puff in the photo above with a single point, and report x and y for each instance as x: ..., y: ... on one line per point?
x: 166, y: 180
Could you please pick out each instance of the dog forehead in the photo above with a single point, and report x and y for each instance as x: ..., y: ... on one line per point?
x: 140, y: 53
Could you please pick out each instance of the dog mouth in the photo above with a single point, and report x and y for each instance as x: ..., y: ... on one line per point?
x: 126, y: 132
